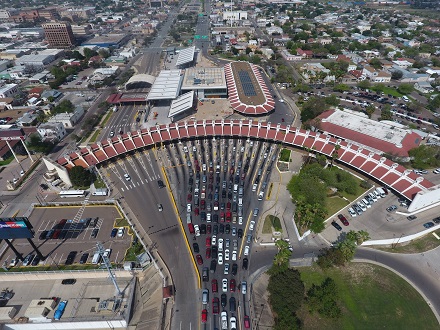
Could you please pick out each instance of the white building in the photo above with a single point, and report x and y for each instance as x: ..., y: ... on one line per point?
x: 51, y: 131
x: 235, y: 15
x: 8, y: 90
x: 68, y: 119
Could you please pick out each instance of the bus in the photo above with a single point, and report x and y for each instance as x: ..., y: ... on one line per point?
x: 72, y: 193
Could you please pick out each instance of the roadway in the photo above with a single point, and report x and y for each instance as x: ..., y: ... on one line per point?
x: 142, y: 194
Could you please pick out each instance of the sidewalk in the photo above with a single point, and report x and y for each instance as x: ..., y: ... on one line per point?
x: 279, y: 203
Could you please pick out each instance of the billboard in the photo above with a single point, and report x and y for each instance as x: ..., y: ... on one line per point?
x: 18, y: 227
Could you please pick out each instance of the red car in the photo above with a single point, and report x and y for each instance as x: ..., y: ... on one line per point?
x: 204, y: 315
x: 189, y: 198
x: 199, y: 259
x: 232, y: 285
x: 247, y: 322
x: 208, y: 241
x: 196, y: 211
x: 202, y: 204
x: 228, y: 216
x: 214, y: 285
x: 208, y: 253
x: 222, y: 216
x: 343, y: 219
x: 191, y: 228
x: 215, y: 306
x: 208, y: 229
x: 228, y: 206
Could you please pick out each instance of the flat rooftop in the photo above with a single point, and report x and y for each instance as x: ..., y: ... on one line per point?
x: 357, y: 123
x: 82, y: 297
x: 201, y: 78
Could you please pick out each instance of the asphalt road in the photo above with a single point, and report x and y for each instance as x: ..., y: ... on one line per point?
x: 142, y: 194
x: 122, y: 120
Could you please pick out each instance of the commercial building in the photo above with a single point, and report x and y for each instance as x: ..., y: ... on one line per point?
x: 107, y: 41
x: 51, y: 131
x: 59, y: 35
x: 8, y: 90
x: 377, y: 136
x: 205, y: 82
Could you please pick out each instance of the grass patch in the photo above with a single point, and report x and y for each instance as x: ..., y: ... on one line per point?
x: 121, y: 222
x: 95, y: 135
x: 422, y: 244
x: 350, y: 197
x: 106, y: 118
x: 285, y: 155
x: 391, y: 91
x: 276, y: 223
x: 334, y: 204
x: 133, y: 251
x: 99, y: 183
x: 370, y: 297
x: 267, y: 225
x: 6, y: 161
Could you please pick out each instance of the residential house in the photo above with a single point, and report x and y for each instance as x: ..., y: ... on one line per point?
x: 8, y: 90
x: 52, y: 132
x: 35, y: 92
x: 51, y: 94
x: 289, y: 57
x: 68, y: 119
x: 6, y: 103
x: 304, y: 53
x: 403, y: 63
x: 424, y: 87
x: 28, y: 119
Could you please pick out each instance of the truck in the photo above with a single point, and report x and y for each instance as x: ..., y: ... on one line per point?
x: 224, y: 320
x: 381, y: 192
x: 60, y: 310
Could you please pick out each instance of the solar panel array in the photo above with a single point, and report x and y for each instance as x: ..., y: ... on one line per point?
x: 246, y: 83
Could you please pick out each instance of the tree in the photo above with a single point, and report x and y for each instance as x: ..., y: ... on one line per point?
x: 341, y: 88
x: 35, y: 143
x: 370, y: 109
x: 286, y: 295
x: 322, y: 299
x: 80, y: 177
x: 332, y: 100
x: 364, y: 84
x: 396, y: 75
x: 386, y: 113
x: 313, y: 108
x: 88, y: 53
x: 405, y: 88
x: 376, y: 63
x: 63, y: 107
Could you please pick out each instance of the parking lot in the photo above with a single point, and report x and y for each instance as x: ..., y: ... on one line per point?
x: 60, y: 231
x: 223, y: 183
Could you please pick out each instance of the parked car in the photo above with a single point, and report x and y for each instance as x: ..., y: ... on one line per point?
x: 428, y: 225
x: 343, y: 219
x: 336, y: 225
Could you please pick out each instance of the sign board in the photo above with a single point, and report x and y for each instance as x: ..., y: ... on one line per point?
x: 17, y: 227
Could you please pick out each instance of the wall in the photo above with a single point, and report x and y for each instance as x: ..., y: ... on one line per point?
x: 61, y: 171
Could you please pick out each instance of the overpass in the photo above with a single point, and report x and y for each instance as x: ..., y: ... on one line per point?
x: 405, y: 182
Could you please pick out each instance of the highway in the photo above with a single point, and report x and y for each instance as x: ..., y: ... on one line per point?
x: 123, y: 120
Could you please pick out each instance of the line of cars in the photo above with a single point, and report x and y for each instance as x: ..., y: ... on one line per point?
x: 215, y: 208
x: 64, y: 226
x: 361, y: 206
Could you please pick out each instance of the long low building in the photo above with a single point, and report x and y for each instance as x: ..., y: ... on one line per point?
x: 403, y: 181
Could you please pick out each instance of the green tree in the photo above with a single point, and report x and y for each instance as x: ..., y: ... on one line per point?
x: 286, y: 295
x: 341, y: 88
x: 386, y: 113
x: 370, y: 109
x: 322, y: 299
x: 332, y: 100
x: 80, y: 177
x: 396, y: 75
x: 405, y: 88
x: 88, y: 53
x: 313, y: 108
x: 364, y: 84
x: 376, y: 63
x: 36, y: 144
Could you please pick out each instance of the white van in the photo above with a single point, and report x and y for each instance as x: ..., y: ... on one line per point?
x: 96, y: 258
x: 235, y: 188
x: 381, y: 192
x: 405, y: 98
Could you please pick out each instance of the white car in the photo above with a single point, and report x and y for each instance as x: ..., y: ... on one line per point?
x: 234, y: 255
x: 220, y: 244
x: 235, y: 244
x: 213, y: 240
x: 188, y: 208
x: 197, y: 230
x: 127, y: 177
x: 251, y: 225
x: 204, y: 167
x: 240, y: 220
x: 226, y: 271
x: 121, y: 231
x: 352, y: 212
x: 232, y: 323
x: 225, y: 285
x: 220, y: 259
x: 227, y: 254
x: 246, y: 250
